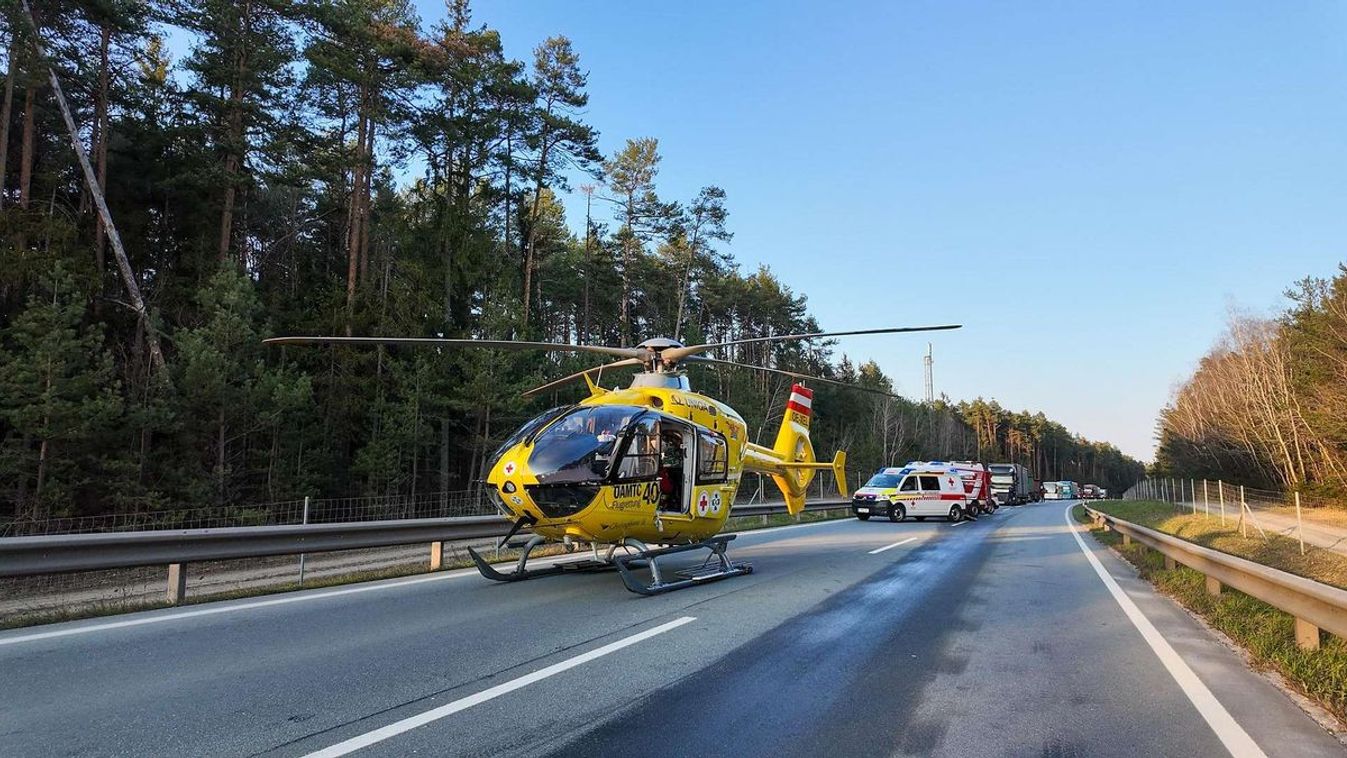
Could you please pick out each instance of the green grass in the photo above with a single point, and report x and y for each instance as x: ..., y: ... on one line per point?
x: 112, y: 608
x: 1265, y: 632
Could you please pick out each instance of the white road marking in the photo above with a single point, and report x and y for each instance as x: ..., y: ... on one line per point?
x: 890, y: 547
x: 285, y: 600
x: 751, y: 532
x: 299, y: 597
x: 1231, y: 734
x: 462, y: 704
x: 959, y: 523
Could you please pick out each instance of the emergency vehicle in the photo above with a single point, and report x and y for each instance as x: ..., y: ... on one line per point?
x: 948, y: 489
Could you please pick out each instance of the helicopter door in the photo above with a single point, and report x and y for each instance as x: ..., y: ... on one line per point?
x: 712, y: 469
x: 677, y: 446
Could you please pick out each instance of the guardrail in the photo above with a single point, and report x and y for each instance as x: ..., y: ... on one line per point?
x: 54, y: 554
x: 1314, y: 605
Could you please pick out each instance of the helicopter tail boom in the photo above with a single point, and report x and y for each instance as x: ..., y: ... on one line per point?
x: 791, y: 461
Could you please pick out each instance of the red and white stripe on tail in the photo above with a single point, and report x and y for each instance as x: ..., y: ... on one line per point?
x: 801, y: 401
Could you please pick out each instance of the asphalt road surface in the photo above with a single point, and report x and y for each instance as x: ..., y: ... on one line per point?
x: 995, y: 637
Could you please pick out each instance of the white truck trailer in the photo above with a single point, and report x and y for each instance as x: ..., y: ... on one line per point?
x: 1012, y: 484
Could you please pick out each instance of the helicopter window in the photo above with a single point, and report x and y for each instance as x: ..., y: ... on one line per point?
x: 579, y: 446
x: 712, y: 458
x: 640, y: 459
x: 527, y: 430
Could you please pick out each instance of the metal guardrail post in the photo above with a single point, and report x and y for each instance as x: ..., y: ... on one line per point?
x: 1307, y: 635
x: 302, y: 555
x: 177, y: 583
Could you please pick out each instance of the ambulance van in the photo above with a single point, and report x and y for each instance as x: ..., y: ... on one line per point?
x: 942, y: 489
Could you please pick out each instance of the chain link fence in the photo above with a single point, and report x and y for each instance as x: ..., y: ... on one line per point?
x: 122, y: 589
x: 474, y: 502
x: 1260, y: 512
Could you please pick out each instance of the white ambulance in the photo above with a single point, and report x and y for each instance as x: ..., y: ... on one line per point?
x: 948, y: 489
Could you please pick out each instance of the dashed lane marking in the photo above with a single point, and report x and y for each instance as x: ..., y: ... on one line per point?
x: 462, y: 704
x: 877, y: 551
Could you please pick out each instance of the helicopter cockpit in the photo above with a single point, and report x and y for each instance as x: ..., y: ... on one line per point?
x: 579, y: 447
x: 575, y: 450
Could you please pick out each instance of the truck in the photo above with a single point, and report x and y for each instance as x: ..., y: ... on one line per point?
x: 1061, y: 491
x: 942, y: 489
x: 1012, y: 484
x: 1090, y: 492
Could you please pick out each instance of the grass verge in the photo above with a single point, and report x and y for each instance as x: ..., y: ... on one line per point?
x: 1267, y: 634
x: 451, y: 561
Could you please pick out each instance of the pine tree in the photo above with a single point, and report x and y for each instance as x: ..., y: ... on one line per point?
x: 59, y: 403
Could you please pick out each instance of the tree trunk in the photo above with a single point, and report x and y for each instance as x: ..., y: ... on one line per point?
x: 531, y: 239
x: 101, y: 147
x: 584, y: 328
x: 444, y: 458
x: 220, y: 457
x: 365, y: 192
x: 26, y: 147
x: 6, y: 109
x: 236, y: 151
x: 353, y: 229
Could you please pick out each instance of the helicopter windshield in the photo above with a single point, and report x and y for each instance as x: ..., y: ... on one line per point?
x: 579, y: 446
x: 533, y: 425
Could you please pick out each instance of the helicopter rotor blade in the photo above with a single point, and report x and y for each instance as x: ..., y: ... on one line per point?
x: 675, y: 354
x: 623, y: 352
x: 792, y: 374
x: 578, y: 374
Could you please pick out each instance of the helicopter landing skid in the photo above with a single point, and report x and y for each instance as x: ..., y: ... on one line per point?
x: 522, y: 571
x: 716, y: 566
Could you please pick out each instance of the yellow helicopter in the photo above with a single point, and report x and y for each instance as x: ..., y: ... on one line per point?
x: 653, y: 464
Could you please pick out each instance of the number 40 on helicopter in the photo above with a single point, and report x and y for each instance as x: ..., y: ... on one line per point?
x: 643, y: 472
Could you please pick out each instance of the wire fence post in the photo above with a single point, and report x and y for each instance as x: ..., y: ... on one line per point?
x: 1206, y: 499
x: 1192, y: 492
x: 1243, y: 531
x: 1220, y: 490
x: 301, y: 555
x: 1300, y: 525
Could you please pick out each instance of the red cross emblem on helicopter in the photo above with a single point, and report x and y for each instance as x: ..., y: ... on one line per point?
x: 509, y: 468
x: 703, y: 503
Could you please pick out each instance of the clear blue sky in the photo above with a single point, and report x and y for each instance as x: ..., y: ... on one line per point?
x: 1086, y: 186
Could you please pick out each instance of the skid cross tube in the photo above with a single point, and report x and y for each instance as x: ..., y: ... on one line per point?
x: 724, y: 567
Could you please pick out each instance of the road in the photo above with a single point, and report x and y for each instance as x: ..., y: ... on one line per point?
x: 992, y: 637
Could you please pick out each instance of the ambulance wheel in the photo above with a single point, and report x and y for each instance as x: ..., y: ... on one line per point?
x: 897, y: 513
x: 863, y: 516
x: 955, y: 514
